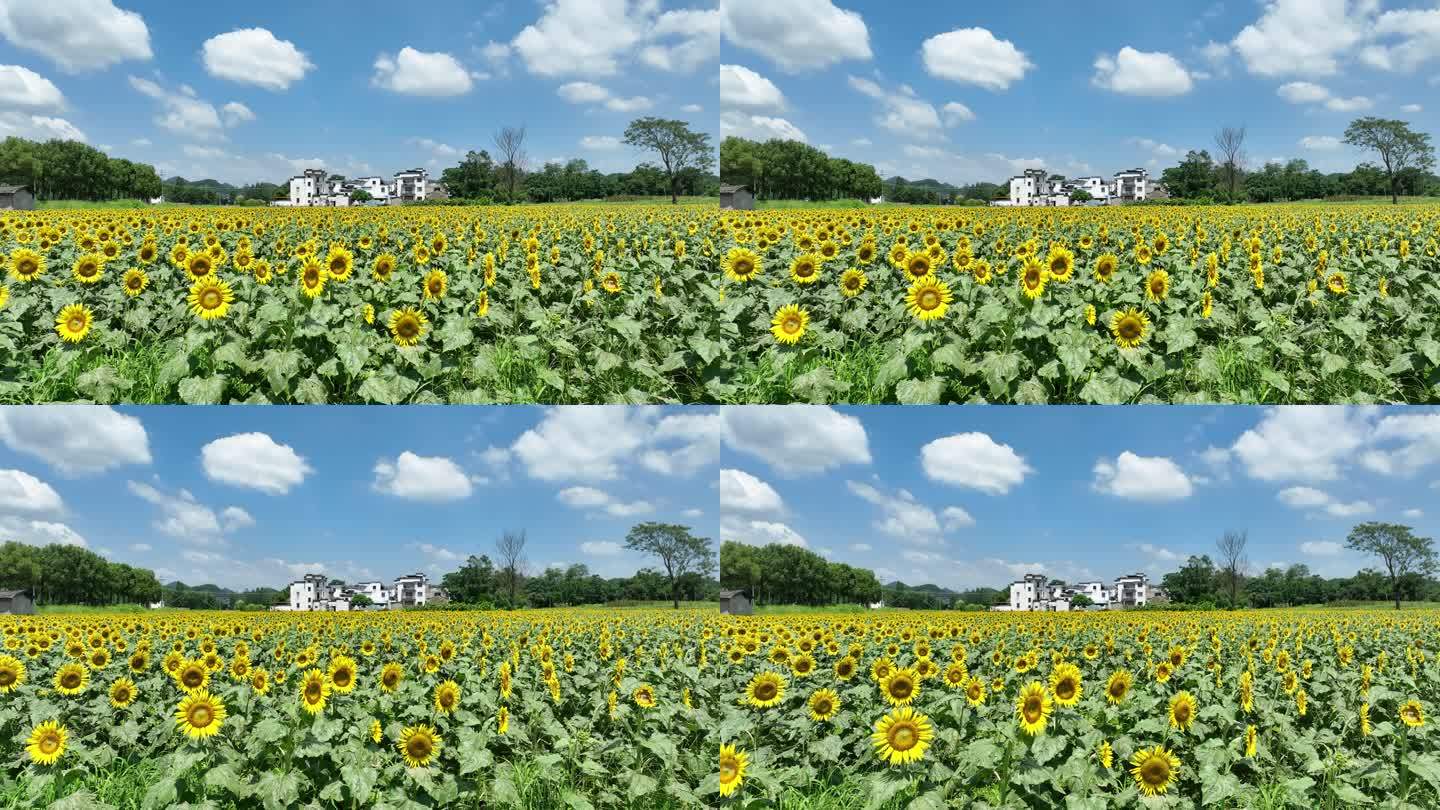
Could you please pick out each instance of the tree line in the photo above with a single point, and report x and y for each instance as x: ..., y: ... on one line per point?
x: 789, y: 575
x: 70, y: 170
x: 790, y: 170
x: 70, y: 575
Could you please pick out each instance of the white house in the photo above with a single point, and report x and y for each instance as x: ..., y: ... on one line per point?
x: 1030, y: 188
x: 410, y: 590
x: 1096, y: 591
x: 376, y: 187
x: 1130, y: 185
x: 1030, y: 593
x: 376, y: 591
x: 411, y: 185
x: 1131, y: 590
x: 310, y: 188
x: 310, y: 593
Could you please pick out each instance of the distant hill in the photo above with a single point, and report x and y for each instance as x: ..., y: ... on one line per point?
x: 929, y: 184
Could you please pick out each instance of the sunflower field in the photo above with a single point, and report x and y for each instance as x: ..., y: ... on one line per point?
x: 1263, y: 709
x: 1260, y: 304
x: 555, y: 303
x: 420, y: 709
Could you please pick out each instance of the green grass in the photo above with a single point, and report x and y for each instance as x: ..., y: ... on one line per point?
x: 123, y: 608
x: 788, y: 204
x: 657, y: 200
x: 631, y: 605
x: 781, y: 610
x: 47, y: 205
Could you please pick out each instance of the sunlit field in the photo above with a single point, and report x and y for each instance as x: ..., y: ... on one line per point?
x: 1254, y: 304
x: 533, y: 709
x: 1268, y: 709
x: 553, y: 303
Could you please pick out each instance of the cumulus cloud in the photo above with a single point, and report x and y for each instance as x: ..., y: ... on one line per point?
x: 77, y: 35
x: 34, y: 532
x: 1140, y: 73
x: 39, y: 127
x: 591, y: 93
x: 974, y: 461
x: 601, y: 548
x: 254, y: 56
x: 421, y: 478
x: 743, y: 89
x: 1303, y: 38
x: 254, y: 461
x: 902, y: 112
x: 419, y: 73
x: 22, y: 492
x: 1142, y: 478
x: 1320, y: 143
x: 1301, y: 444
x: 796, y: 440
x: 974, y: 56
x: 590, y: 498
x: 185, y: 518
x: 797, y: 35
x: 742, y: 492
x: 754, y: 532
x: 24, y: 88
x: 1321, y: 548
x: 759, y: 127
x: 187, y: 115
x: 75, y: 439
x: 901, y: 515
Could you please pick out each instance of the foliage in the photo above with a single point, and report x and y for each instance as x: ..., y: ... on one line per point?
x: 579, y: 729
x: 585, y: 303
x: 785, y: 574
x: 70, y: 170
x: 680, y: 553
x: 1398, y: 146
x: 780, y: 169
x: 1275, y: 304
x: 65, y: 574
x: 678, y: 147
x: 1311, y: 678
x: 1399, y: 550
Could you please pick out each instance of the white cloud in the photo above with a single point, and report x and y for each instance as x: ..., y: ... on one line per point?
x: 1320, y: 143
x: 1418, y: 35
x: 743, y: 89
x: 236, y: 113
x: 1142, y: 73
x: 1303, y: 92
x: 591, y: 93
x: 902, y: 113
x: 1142, y: 478
x: 742, y: 492
x: 1411, y: 108
x: 141, y: 548
x: 627, y: 105
x: 1302, y: 497
x: 254, y: 56
x: 39, y: 532
x: 439, y: 553
x: 759, y: 532
x: 974, y: 56
x: 433, y: 146
x: 860, y: 547
x: 796, y: 440
x: 976, y: 461
x: 23, y: 87
x: 1152, y: 145
x: 254, y: 461
x: 186, y: 519
x: 1345, y: 510
x: 75, y: 439
x: 182, y: 113
x: 582, y: 444
x: 1321, y: 548
x: 1346, y: 105
x: 22, y: 492
x: 421, y: 478
x: 683, y: 40
x: 1301, y: 444
x: 78, y: 35
x: 601, y: 548
x: 39, y: 127
x: 583, y: 37
x: 902, y: 517
x: 420, y: 73
x: 759, y: 127
x: 1159, y: 552
x: 233, y: 517
x: 797, y: 35
x: 592, y: 498
x: 600, y: 143
x: 956, y: 114
x: 1413, y: 514
x: 1303, y: 37
x: 956, y: 518
x: 683, y: 444
x: 692, y: 108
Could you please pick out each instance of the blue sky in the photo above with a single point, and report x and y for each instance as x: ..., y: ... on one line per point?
x: 246, y: 496
x: 258, y: 90
x: 975, y: 496
x: 978, y: 91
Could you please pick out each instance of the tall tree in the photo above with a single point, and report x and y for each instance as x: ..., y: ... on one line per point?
x: 1231, y: 143
x: 1231, y: 547
x: 677, y: 146
x: 511, y: 550
x: 510, y: 143
x: 679, y: 551
x: 1398, y: 146
x: 1397, y: 547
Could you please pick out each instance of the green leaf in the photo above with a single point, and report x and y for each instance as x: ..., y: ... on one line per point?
x: 1332, y: 363
x: 311, y: 391
x: 102, y: 384
x: 816, y: 385
x: 278, y: 790
x: 882, y: 789
x: 160, y: 794
x: 202, y: 390
x: 352, y: 355
x: 931, y: 800
x: 80, y: 800
x: 707, y: 349
x: 983, y: 754
x: 269, y: 730
x: 280, y: 368
x: 920, y: 392
x: 627, y: 327
x: 1047, y: 747
x: 1075, y: 357
x: 827, y: 748
x: 456, y: 333
x: 575, y: 801
x: 225, y: 777
x: 1346, y: 793
x: 640, y: 785
x: 893, y: 370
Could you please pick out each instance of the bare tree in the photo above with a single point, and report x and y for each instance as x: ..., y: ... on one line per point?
x: 510, y: 548
x: 510, y: 143
x: 1232, y: 560
x: 1231, y: 143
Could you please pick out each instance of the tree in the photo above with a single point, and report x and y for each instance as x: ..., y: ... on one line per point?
x: 1193, y: 178
x: 1397, y: 547
x: 1080, y: 195
x: 1193, y: 583
x: 1231, y: 143
x: 677, y: 146
x: 361, y: 600
x: 1231, y: 547
x: 473, y: 179
x: 1080, y: 600
x: 1398, y: 146
x: 679, y: 552
x: 360, y: 195
x: 473, y: 583
x: 510, y: 142
x: 511, y: 550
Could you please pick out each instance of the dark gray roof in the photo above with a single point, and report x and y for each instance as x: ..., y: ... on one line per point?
x: 729, y: 594
x: 12, y: 594
x: 12, y: 189
x: 731, y: 189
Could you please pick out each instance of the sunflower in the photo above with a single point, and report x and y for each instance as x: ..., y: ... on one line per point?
x: 135, y: 281
x: 122, y: 692
x: 199, y: 265
x: 482, y: 304
x: 71, y: 679
x: 1250, y: 735
x: 1129, y: 327
x: 805, y: 269
x: 1336, y: 283
x: 192, y: 676
x: 974, y: 691
x: 1118, y: 686
x: 1412, y: 714
x: 610, y: 283
x: 210, y: 298
x: 765, y: 690
x: 1034, y: 708
x: 1033, y: 279
x: 342, y: 674
x: 262, y: 272
x: 407, y: 326
x: 789, y: 324
x: 502, y: 720
x: 918, y: 264
x: 1182, y: 710
x: 845, y: 668
x: 377, y: 733
x: 73, y: 322
x: 928, y: 299
x: 741, y: 264
x: 1060, y: 263
x: 1154, y: 769
x: 418, y: 744
x: 26, y: 265
x: 900, y: 687
x: 1143, y: 253
x: 644, y: 696
x: 314, y: 691
x: 447, y: 697
x: 383, y: 267
x: 47, y: 742
x: 12, y: 673
x: 902, y: 736
x: 200, y: 715
x: 1365, y: 719
x: 436, y: 283
x: 732, y: 768
x: 339, y: 262
x: 824, y: 704
x: 88, y: 268
x: 1157, y: 285
x: 852, y: 281
x: 1065, y: 684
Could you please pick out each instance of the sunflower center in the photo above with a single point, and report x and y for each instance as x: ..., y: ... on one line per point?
x: 1033, y: 705
x: 929, y: 299
x: 903, y: 736
x: 200, y: 715
x: 341, y: 677
x: 1129, y: 329
x: 70, y: 680
x: 337, y: 265
x: 88, y: 269
x: 822, y: 706
x: 1155, y: 772
x: 901, y: 688
x: 791, y: 325
x: 805, y: 270
x: 313, y: 690
x: 193, y: 678
x: 6, y: 677
x: 408, y: 328
x: 1065, y: 689
x: 210, y: 298
x: 418, y: 747
x: 27, y: 266
x: 1032, y: 278
x: 1058, y: 267
x: 50, y: 743
x: 728, y: 770
x: 434, y: 286
x: 765, y: 691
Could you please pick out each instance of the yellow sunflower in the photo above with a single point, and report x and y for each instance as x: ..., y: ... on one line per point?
x: 1412, y: 714
x: 47, y: 742
x: 900, y: 687
x: 447, y: 697
x: 200, y: 715
x: 1065, y: 684
x: 12, y: 673
x: 1033, y: 279
x: 383, y: 267
x: 1118, y: 686
x: 73, y: 323
x: 852, y: 281
x: 765, y: 690
x: 928, y: 299
x: 1034, y: 707
x: 1182, y: 710
x: 741, y: 264
x: 902, y: 736
x: 89, y: 268
x: 805, y: 269
x: 1154, y: 769
x: 824, y: 704
x: 339, y: 262
x: 122, y: 692
x: 314, y: 691
x: 407, y: 326
x: 135, y: 281
x: 1157, y: 285
x: 210, y: 298
x: 436, y: 283
x: 418, y: 744
x: 342, y: 674
x: 1129, y: 327
x: 789, y: 324
x: 732, y: 768
x: 71, y: 679
x: 26, y: 265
